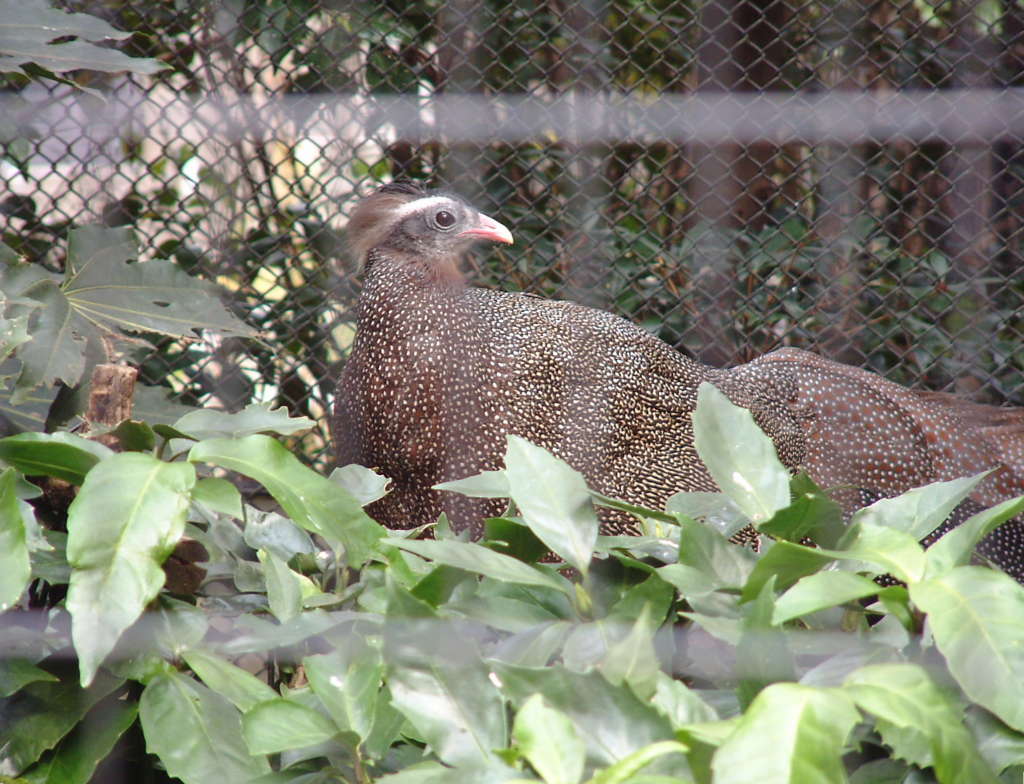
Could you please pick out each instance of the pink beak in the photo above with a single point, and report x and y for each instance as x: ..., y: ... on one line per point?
x: 488, y: 229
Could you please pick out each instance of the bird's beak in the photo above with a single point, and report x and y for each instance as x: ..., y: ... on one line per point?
x: 488, y: 229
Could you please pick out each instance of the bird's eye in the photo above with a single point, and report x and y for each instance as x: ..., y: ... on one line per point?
x: 444, y: 219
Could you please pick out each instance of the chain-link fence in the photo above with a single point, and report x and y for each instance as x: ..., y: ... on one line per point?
x: 736, y: 175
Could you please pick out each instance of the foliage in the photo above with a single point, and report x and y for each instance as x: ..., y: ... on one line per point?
x: 57, y: 325
x: 321, y: 647
x: 43, y: 41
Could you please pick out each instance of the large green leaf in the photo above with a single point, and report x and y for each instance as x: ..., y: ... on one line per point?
x: 15, y: 568
x: 37, y: 717
x: 29, y: 27
x: 196, y: 734
x: 554, y: 501
x: 125, y: 521
x: 707, y: 561
x: 284, y: 590
x: 438, y: 682
x: 956, y: 547
x: 905, y: 697
x: 549, y: 741
x: 281, y: 725
x: 887, y: 549
x: 479, y: 559
x: 791, y: 734
x: 975, y: 615
x: 920, y: 511
x: 311, y: 500
x: 610, y: 719
x: 62, y: 455
x: 348, y: 682
x: 820, y: 591
x: 206, y: 423
x: 739, y: 456
x: 77, y: 755
x: 102, y: 293
x: 241, y: 688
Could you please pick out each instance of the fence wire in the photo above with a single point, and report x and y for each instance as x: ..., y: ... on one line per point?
x: 735, y: 176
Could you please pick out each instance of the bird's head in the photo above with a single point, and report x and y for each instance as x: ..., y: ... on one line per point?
x: 428, y: 230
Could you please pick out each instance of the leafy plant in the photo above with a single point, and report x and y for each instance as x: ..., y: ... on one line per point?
x: 56, y: 325
x: 320, y: 647
x: 43, y: 41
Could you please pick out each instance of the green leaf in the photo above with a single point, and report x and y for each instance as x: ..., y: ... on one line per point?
x: 61, y: 455
x: 739, y: 456
x: 440, y: 685
x: 632, y: 661
x: 241, y: 688
x: 15, y: 568
x: 206, y: 423
x: 480, y: 560
x: 887, y: 549
x: 101, y: 294
x: 998, y: 744
x: 905, y: 696
x: 218, y: 495
x: 37, y: 717
x: 310, y: 500
x: 284, y: 591
x: 625, y: 770
x: 486, y: 484
x: 956, y: 547
x: 365, y: 486
x: 820, y: 591
x: 77, y: 756
x: 549, y: 741
x: 681, y: 704
x: 786, y: 562
x: 26, y: 409
x: 348, y: 683
x: 125, y: 521
x: 811, y: 513
x: 794, y: 733
x: 975, y: 616
x: 282, y: 725
x: 554, y: 501
x: 716, y: 510
x: 707, y: 561
x: 610, y: 719
x: 27, y: 30
x: 196, y: 734
x: 920, y: 511
x: 18, y: 673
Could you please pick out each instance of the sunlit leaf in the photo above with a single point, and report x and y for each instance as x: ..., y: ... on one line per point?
x: 975, y: 615
x: 15, y: 568
x: 310, y: 500
x: 280, y: 724
x: 794, y: 733
x: 549, y: 741
x: 196, y: 733
x: 554, y: 501
x: 903, y: 695
x: 739, y: 456
x: 124, y: 522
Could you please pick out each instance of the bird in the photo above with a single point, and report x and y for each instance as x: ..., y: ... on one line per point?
x: 441, y: 372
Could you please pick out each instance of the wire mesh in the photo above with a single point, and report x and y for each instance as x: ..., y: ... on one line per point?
x: 735, y: 176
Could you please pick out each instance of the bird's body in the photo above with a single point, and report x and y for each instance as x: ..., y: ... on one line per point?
x: 441, y: 372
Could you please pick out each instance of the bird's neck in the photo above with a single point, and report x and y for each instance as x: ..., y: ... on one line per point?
x: 399, y: 297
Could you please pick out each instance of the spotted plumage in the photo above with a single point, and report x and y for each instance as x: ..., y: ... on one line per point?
x: 440, y: 372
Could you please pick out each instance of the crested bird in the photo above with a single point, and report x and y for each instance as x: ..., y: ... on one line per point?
x: 440, y: 372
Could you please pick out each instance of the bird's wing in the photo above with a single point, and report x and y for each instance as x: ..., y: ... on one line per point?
x: 864, y: 431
